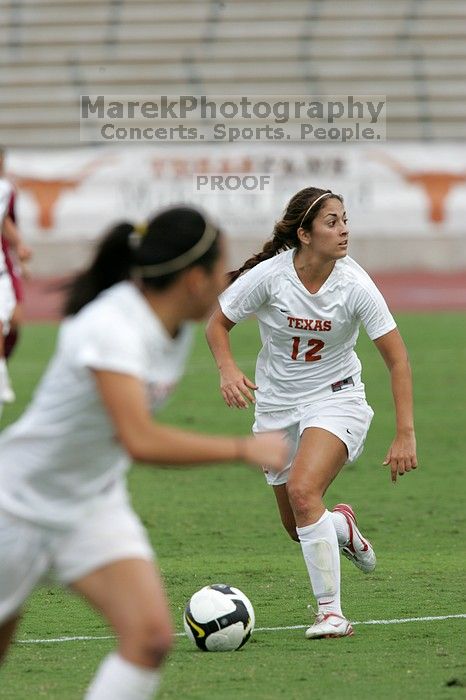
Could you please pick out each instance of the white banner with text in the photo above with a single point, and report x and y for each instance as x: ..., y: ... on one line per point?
x: 389, y: 189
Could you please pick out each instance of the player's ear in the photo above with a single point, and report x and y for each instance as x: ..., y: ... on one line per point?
x: 196, y: 280
x: 304, y: 236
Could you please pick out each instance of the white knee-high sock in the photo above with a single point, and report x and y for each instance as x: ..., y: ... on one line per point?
x: 322, y: 556
x: 118, y: 679
x: 4, y: 376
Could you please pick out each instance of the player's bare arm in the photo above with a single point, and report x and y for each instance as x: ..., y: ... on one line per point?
x: 11, y: 233
x: 234, y: 384
x: 147, y: 441
x: 401, y: 456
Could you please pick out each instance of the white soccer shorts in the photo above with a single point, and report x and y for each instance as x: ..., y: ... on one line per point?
x: 30, y: 553
x: 347, y: 417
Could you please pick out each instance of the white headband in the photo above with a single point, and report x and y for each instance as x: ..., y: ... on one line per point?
x: 326, y: 194
x: 183, y: 260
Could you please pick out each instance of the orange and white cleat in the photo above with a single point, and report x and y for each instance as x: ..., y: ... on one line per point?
x: 357, y: 549
x: 328, y: 625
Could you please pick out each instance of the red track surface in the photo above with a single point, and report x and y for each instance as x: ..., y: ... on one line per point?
x: 414, y: 291
x: 424, y: 291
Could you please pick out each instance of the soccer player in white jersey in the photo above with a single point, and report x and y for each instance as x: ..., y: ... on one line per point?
x: 309, y: 298
x: 63, y: 503
x: 17, y: 256
x: 7, y: 300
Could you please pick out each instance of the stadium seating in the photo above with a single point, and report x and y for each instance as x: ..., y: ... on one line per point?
x: 52, y: 51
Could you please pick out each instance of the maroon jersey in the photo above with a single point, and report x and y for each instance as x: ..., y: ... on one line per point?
x: 12, y: 270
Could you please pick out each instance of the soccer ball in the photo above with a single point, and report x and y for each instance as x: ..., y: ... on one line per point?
x: 219, y: 618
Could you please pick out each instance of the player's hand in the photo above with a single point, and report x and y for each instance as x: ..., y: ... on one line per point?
x: 23, y: 252
x: 235, y: 388
x: 271, y: 449
x: 25, y: 270
x: 401, y: 457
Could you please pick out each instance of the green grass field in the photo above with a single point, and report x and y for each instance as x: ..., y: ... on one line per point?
x: 220, y: 524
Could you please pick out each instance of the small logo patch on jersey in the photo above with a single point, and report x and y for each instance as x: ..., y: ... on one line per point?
x: 338, y: 386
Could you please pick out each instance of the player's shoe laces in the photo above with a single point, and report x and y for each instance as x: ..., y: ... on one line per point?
x: 357, y: 549
x: 329, y: 625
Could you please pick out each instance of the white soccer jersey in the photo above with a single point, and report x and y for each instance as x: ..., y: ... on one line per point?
x: 307, y: 339
x: 62, y: 455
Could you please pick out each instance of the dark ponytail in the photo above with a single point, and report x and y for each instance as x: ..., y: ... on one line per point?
x: 111, y: 264
x: 285, y: 232
x: 154, y: 255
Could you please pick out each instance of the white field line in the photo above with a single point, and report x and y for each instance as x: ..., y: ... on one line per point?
x: 396, y: 621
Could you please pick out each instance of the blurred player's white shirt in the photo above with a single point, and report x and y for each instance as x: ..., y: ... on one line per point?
x: 6, y: 190
x: 307, y: 339
x: 62, y: 454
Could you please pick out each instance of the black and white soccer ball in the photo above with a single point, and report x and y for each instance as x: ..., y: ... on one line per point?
x: 219, y: 618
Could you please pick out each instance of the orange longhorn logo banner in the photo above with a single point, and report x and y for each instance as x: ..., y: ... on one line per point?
x: 46, y: 192
x: 437, y: 185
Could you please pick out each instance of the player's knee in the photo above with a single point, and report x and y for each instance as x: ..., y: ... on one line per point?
x: 157, y: 646
x: 149, y: 643
x: 304, y: 499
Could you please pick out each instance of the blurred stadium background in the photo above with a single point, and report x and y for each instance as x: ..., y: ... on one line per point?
x: 405, y: 196
x: 407, y: 209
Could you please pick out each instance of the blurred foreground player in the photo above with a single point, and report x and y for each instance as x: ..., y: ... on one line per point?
x: 310, y: 298
x: 17, y: 255
x: 7, y: 302
x: 63, y: 502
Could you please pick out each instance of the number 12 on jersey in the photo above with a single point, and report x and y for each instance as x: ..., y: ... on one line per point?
x: 312, y: 355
